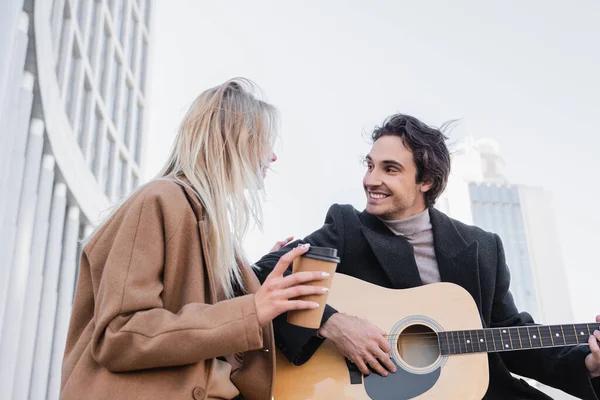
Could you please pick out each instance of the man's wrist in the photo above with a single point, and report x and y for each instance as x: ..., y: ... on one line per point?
x: 324, y: 330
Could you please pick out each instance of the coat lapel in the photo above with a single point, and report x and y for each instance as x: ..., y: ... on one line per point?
x: 457, y: 259
x: 394, y: 253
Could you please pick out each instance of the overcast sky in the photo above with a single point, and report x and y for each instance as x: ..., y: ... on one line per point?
x: 523, y: 73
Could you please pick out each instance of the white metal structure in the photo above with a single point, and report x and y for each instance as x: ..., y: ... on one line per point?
x: 72, y: 101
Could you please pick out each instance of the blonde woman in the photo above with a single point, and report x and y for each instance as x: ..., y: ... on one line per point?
x: 166, y: 306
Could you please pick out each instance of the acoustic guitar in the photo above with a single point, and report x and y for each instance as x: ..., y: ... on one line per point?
x: 439, y: 353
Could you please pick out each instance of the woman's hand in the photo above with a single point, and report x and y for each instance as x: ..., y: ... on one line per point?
x: 273, y: 298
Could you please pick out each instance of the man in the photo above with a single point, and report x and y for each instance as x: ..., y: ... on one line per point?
x: 400, y: 241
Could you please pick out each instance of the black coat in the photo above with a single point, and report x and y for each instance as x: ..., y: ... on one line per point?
x: 467, y: 256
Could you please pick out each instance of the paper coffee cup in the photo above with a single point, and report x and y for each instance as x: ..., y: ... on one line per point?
x: 315, y: 259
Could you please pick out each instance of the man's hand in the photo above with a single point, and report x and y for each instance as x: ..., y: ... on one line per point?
x: 592, y: 361
x: 360, y: 341
x: 281, y: 243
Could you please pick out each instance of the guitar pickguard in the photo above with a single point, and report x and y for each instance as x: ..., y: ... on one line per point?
x: 401, y: 385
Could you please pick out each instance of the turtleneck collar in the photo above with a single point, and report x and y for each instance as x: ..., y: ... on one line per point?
x: 411, y: 225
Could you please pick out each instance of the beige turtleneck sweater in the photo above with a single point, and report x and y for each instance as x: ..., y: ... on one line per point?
x: 417, y: 230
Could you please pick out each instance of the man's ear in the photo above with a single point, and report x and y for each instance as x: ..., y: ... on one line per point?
x: 426, y: 185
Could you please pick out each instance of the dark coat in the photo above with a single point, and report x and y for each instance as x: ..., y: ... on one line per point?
x: 467, y: 256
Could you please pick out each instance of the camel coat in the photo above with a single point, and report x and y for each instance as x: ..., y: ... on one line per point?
x: 146, y: 323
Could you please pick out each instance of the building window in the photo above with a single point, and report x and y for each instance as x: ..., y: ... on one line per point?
x: 72, y: 91
x: 136, y: 142
x: 92, y: 49
x: 121, y: 175
x: 119, y: 17
x: 65, y: 32
x: 107, y: 164
x: 124, y: 20
x: 126, y: 111
x: 147, y: 11
x: 135, y: 181
x: 82, y: 131
x: 134, y: 111
x: 132, y: 40
x: 82, y: 7
x: 103, y: 71
x: 117, y: 77
x: 96, y: 137
x: 143, y: 66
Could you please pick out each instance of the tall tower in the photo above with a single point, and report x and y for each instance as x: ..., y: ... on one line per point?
x: 523, y: 216
x: 72, y: 105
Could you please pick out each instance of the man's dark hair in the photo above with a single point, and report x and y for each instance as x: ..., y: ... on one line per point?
x: 428, y: 147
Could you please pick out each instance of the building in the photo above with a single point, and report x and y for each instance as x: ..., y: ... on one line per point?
x: 72, y: 105
x: 523, y: 216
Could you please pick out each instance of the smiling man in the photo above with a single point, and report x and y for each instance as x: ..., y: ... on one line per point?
x: 401, y: 241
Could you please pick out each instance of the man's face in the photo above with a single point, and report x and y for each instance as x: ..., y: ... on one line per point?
x: 391, y: 181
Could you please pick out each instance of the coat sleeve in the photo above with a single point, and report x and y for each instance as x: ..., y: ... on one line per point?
x: 132, y: 329
x: 562, y: 367
x: 298, y: 343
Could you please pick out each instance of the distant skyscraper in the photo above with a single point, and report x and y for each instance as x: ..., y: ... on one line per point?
x: 72, y: 102
x: 523, y: 216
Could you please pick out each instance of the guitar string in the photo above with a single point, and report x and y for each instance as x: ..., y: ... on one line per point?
x: 567, y: 342
x: 567, y: 334
x: 477, y: 348
x: 475, y: 345
x: 489, y: 330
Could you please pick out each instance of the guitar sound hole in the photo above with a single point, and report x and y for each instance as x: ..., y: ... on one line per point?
x: 418, y: 346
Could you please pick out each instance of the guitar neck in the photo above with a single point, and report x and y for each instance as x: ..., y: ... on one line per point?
x: 493, y: 340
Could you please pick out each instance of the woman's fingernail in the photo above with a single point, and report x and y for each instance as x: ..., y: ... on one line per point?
x: 304, y: 246
x: 315, y: 305
x: 324, y: 289
x: 324, y: 274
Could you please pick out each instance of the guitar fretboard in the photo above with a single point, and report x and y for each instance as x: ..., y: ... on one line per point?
x: 493, y: 340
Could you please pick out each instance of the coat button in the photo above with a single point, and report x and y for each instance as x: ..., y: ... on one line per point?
x: 198, y: 393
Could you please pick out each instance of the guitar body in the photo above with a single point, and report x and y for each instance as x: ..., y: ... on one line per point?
x: 411, y: 317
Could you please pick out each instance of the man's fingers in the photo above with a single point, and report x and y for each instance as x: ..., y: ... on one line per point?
x: 281, y: 243
x: 595, y: 338
x: 385, y: 359
x: 376, y: 365
x: 593, y: 342
x: 362, y: 367
x: 384, y: 344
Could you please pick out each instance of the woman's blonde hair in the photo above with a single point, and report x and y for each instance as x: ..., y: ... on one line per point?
x: 224, y: 144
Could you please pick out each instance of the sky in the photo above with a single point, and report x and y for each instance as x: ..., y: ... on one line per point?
x: 523, y: 73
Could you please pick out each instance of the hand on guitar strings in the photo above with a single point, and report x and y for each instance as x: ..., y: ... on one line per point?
x: 592, y: 360
x: 360, y: 341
